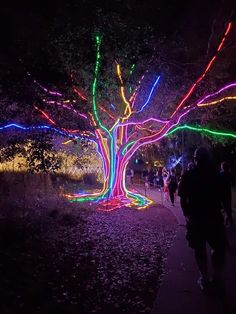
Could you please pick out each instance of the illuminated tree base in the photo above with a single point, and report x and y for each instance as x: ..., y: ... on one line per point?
x: 107, y: 203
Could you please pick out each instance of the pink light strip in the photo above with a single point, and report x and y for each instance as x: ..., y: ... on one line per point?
x: 218, y: 92
x: 66, y: 106
x: 153, y: 138
x: 45, y: 89
x: 145, y: 121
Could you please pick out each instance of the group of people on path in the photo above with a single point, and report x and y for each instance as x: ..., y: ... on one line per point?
x: 204, y: 192
x: 166, y: 181
x: 205, y: 198
x: 170, y: 184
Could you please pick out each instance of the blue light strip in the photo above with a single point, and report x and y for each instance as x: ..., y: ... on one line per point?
x: 44, y: 127
x: 37, y: 127
x: 150, y: 94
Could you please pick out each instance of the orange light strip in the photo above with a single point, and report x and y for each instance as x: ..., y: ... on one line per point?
x: 204, y: 73
x: 128, y: 111
x: 217, y: 101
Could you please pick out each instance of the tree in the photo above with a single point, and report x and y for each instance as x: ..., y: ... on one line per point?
x: 121, y: 126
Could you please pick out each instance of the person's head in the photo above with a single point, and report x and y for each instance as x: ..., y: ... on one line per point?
x: 201, y: 156
x: 224, y: 166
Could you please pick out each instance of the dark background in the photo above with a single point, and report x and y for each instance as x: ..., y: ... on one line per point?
x: 25, y: 25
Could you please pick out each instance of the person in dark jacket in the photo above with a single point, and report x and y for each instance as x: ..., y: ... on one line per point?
x: 172, y: 185
x: 199, y: 192
x: 226, y: 195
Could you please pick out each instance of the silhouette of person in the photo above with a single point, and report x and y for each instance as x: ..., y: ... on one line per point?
x: 159, y: 179
x: 199, y: 192
x: 151, y: 177
x: 172, y: 185
x: 226, y: 195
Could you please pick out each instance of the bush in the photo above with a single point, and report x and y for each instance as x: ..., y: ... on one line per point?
x: 90, y: 179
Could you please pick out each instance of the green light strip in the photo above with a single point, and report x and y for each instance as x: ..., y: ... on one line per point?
x: 130, y: 73
x: 94, y: 86
x: 202, y: 130
x: 126, y: 147
x: 132, y: 69
x: 98, y: 121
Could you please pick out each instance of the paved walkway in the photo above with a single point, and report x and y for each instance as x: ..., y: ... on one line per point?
x: 179, y: 293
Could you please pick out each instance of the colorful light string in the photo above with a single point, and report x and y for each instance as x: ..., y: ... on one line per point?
x: 115, y: 144
x: 202, y: 130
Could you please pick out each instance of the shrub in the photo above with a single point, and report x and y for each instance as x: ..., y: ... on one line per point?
x: 90, y: 179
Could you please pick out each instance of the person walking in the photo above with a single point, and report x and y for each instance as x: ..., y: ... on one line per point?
x: 172, y: 185
x: 226, y: 195
x: 199, y: 192
x: 151, y: 177
x: 159, y: 179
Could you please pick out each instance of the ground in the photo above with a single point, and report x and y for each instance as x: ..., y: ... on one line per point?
x: 73, y: 259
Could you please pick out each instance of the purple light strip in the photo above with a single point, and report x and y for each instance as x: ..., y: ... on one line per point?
x: 218, y: 92
x: 44, y: 88
x: 145, y: 121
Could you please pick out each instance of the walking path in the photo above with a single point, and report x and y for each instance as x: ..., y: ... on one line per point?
x: 179, y: 293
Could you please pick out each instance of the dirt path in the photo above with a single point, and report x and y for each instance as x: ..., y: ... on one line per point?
x: 84, y: 261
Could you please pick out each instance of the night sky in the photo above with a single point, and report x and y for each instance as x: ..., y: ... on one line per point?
x: 31, y: 20
x: 25, y: 25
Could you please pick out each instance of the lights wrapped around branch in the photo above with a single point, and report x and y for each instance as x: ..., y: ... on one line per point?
x: 113, y: 140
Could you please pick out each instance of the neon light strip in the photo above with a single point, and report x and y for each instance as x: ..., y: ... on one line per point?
x: 133, y: 97
x: 39, y: 127
x: 127, y: 146
x: 53, y: 122
x: 165, y: 129
x: 190, y: 91
x: 84, y: 98
x: 150, y: 94
x: 113, y: 107
x: 65, y: 106
x: 128, y: 108
x: 69, y: 141
x: 145, y: 121
x: 145, y: 129
x: 201, y: 130
x: 139, y: 200
x: 104, y: 152
x: 79, y: 93
x: 116, y: 123
x: 45, y: 115
x: 152, y: 138
x: 218, y: 92
x: 53, y: 93
x: 132, y: 69
x: 217, y: 101
x: 94, y: 86
x: 107, y: 112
